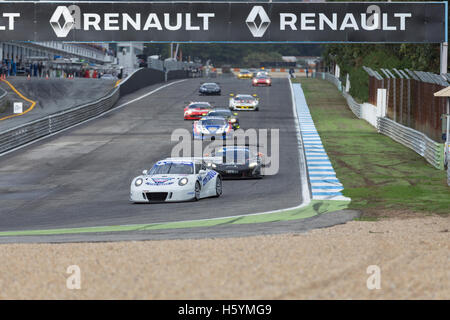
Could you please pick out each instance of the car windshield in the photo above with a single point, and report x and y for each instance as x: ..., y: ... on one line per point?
x: 165, y: 167
x: 240, y: 98
x: 262, y: 77
x: 210, y: 85
x: 222, y: 113
x: 233, y: 155
x: 199, y: 106
x: 213, y: 122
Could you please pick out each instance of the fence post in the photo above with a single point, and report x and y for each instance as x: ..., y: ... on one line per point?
x: 409, y: 102
x: 394, y: 91
x: 381, y: 102
x: 347, y: 83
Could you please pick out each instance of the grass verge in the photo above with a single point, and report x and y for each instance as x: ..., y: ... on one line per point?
x: 315, y: 208
x: 381, y: 176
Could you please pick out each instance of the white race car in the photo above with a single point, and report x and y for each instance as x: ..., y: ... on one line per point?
x: 212, y: 128
x: 176, y: 179
x: 244, y: 102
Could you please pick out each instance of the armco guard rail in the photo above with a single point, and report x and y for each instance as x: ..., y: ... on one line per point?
x: 55, y: 122
x: 432, y: 151
x: 354, y: 106
x: 448, y: 175
x: 23, y: 134
x: 3, y: 93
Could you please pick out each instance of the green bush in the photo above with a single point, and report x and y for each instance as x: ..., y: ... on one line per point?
x: 352, y: 57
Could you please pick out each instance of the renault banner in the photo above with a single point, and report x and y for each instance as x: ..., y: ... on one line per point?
x: 394, y: 22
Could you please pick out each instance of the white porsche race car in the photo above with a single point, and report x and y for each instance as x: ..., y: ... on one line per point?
x: 244, y: 102
x: 176, y: 179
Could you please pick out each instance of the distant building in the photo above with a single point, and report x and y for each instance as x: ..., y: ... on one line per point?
x: 126, y: 55
x: 21, y: 51
x: 303, y: 61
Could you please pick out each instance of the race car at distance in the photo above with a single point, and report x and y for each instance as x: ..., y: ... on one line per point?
x: 196, y: 110
x: 253, y: 71
x: 261, y: 81
x: 237, y: 162
x: 209, y: 88
x: 176, y: 179
x: 212, y: 128
x: 244, y: 74
x: 244, y: 102
x: 262, y: 73
x: 230, y: 116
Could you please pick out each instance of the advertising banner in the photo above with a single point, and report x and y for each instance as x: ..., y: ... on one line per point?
x: 369, y: 22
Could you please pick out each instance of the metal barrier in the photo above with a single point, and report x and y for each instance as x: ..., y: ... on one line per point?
x: 23, y: 134
x: 432, y: 151
x: 448, y: 175
x: 55, y: 122
x: 353, y: 105
x: 3, y: 93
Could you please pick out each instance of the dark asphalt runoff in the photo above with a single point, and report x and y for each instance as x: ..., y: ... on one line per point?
x: 81, y: 177
x: 52, y: 95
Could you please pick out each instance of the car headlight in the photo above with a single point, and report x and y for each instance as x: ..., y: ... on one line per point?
x: 183, y: 181
x: 232, y: 120
x: 138, y: 182
x: 212, y: 165
x: 252, y: 165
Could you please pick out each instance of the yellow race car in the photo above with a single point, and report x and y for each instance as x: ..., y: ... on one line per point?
x: 245, y: 74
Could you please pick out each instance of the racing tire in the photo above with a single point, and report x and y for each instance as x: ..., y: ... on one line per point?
x: 197, y: 191
x: 219, y: 186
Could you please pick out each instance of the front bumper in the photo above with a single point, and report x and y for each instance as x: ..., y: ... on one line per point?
x: 199, y: 136
x: 194, y: 116
x: 210, y: 92
x: 237, y: 172
x: 146, y: 194
x: 247, y: 107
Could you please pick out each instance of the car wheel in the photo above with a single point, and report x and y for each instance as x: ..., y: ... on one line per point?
x: 197, y: 191
x: 218, y: 186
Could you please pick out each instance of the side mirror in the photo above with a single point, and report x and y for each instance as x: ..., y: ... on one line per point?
x: 235, y: 113
x: 145, y: 172
x: 255, y: 95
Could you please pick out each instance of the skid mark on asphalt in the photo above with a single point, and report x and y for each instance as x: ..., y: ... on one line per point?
x: 324, y: 183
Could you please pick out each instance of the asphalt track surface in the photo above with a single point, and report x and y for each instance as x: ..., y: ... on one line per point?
x: 81, y: 177
x: 51, y: 96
